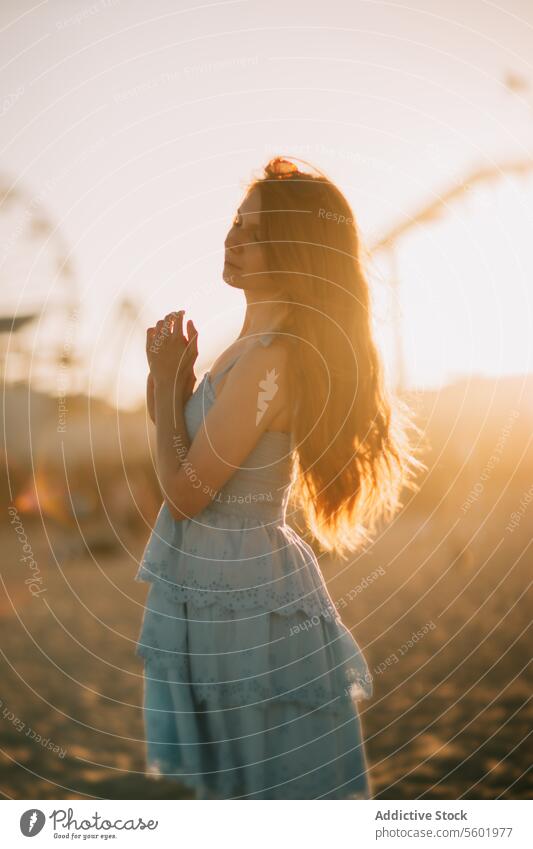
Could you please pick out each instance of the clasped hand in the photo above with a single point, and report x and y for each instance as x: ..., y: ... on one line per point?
x: 171, y: 355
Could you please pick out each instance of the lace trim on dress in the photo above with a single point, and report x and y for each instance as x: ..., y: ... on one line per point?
x: 268, y: 567
x: 215, y: 695
x: 206, y: 592
x: 316, y: 663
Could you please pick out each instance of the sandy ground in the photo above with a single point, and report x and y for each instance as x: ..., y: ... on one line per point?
x: 448, y: 719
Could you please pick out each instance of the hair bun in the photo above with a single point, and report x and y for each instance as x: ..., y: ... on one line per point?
x: 280, y: 168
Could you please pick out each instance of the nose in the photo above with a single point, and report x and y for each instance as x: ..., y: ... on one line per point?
x: 232, y: 245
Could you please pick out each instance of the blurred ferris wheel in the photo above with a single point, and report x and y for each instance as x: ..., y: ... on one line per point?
x: 39, y: 304
x: 427, y: 213
x: 40, y: 317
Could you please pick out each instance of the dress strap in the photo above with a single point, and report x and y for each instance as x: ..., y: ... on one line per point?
x: 265, y: 339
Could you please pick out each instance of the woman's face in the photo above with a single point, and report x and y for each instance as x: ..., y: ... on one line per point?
x: 244, y: 265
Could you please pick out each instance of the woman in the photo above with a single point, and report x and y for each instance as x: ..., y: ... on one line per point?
x: 251, y: 679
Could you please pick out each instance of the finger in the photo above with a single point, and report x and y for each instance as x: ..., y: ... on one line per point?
x: 193, y: 337
x: 178, y: 323
x: 169, y: 323
x: 175, y: 325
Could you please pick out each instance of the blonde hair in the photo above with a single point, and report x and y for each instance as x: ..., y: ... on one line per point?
x: 353, y: 455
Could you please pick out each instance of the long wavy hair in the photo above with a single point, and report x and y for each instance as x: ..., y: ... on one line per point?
x: 353, y: 455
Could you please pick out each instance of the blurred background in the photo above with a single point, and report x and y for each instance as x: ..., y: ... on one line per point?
x: 129, y: 132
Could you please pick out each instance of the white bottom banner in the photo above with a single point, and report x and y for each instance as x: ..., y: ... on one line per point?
x: 243, y: 823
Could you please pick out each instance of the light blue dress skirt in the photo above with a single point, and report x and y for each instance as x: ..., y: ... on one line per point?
x: 251, y: 679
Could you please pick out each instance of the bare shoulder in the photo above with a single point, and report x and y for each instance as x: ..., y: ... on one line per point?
x: 275, y: 354
x: 266, y: 369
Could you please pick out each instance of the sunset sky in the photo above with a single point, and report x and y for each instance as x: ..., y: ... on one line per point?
x: 139, y: 124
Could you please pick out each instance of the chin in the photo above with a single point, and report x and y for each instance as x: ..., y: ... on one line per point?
x: 232, y: 279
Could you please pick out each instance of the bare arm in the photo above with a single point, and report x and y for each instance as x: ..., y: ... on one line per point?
x: 172, y: 440
x: 247, y: 405
x: 150, y: 396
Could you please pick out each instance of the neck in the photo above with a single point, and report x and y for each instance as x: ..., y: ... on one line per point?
x: 264, y: 314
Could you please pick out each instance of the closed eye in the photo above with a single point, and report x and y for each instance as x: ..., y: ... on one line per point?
x: 252, y: 232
